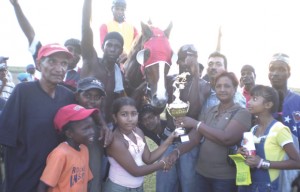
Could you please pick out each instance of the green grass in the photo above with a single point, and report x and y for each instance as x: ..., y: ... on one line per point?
x: 296, y: 90
x: 150, y: 182
x: 14, y: 69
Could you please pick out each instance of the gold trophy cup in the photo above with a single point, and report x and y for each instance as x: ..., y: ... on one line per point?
x: 178, y: 108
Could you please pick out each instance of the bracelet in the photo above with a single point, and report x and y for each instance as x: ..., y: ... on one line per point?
x: 165, y: 165
x: 265, y: 164
x: 198, y: 125
x: 202, y: 139
x: 178, y: 152
x: 260, y: 162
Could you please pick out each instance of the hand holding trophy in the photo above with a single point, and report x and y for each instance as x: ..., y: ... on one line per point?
x: 178, y: 108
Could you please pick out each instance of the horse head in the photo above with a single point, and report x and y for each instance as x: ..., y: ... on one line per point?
x: 153, y: 53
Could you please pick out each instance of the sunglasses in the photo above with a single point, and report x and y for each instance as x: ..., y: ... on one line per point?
x: 189, y: 47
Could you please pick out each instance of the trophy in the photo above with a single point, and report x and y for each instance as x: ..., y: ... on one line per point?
x: 178, y: 108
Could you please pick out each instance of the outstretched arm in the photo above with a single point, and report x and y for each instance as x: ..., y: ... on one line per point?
x: 23, y: 21
x: 89, y: 55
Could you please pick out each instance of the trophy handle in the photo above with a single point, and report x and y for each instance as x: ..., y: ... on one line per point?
x: 167, y: 107
x: 188, y: 108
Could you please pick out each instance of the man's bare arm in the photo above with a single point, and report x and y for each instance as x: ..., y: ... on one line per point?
x: 23, y: 21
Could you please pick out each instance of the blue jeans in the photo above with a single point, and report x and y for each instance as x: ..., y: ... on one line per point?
x: 182, y: 172
x: 104, y: 167
x: 206, y: 184
x: 113, y: 187
x: 95, y: 153
x: 260, y: 187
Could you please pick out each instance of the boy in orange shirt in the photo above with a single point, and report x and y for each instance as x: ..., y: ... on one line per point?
x: 67, y: 166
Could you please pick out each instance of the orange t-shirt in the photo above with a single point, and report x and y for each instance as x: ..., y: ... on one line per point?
x: 67, y: 169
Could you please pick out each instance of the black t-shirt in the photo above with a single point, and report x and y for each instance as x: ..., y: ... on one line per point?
x: 27, y: 131
x: 2, y: 103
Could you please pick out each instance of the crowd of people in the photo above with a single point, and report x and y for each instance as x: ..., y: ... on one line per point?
x: 75, y: 129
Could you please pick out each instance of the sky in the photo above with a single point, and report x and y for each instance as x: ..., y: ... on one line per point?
x: 252, y: 31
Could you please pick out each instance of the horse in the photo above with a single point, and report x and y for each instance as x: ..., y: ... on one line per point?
x: 147, y: 66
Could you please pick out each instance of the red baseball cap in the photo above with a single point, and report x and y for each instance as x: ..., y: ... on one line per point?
x: 50, y: 49
x: 70, y: 113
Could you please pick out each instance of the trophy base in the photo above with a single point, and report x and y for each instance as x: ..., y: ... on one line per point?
x: 180, y: 131
x: 184, y: 138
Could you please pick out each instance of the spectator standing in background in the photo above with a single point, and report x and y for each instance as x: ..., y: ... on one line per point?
x: 248, y: 77
x: 6, y: 84
x: 30, y: 69
x: 288, y: 110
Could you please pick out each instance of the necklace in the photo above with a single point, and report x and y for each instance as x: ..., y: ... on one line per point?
x: 138, y: 146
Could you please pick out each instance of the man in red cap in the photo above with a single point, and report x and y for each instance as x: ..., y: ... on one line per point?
x: 26, y: 123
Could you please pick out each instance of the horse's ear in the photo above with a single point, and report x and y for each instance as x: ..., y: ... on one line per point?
x: 140, y: 56
x: 146, y: 31
x: 168, y: 30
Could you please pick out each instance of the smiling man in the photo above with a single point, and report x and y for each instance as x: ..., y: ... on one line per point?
x: 26, y: 122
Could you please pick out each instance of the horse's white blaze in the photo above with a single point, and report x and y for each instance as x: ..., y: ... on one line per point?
x: 161, y: 90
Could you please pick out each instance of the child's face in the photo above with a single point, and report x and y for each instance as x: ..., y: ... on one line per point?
x: 126, y: 118
x: 150, y: 121
x: 83, y: 131
x: 256, y: 104
x: 90, y: 99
